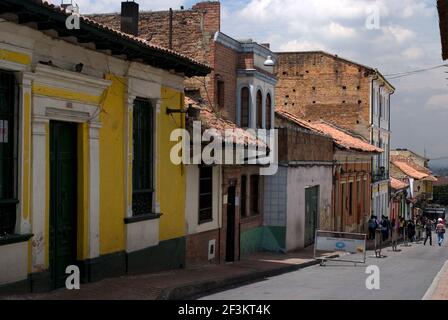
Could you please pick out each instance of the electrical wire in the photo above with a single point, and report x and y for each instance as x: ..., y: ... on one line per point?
x: 411, y: 73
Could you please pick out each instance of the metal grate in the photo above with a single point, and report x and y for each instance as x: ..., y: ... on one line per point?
x: 142, y: 170
x: 8, y: 153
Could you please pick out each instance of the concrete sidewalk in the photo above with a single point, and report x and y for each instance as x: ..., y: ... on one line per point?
x: 439, y: 288
x: 184, y: 283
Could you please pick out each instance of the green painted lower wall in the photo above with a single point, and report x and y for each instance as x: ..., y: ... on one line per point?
x: 169, y: 254
x: 264, y: 238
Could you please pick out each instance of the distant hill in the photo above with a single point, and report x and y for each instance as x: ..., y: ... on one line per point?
x: 440, y: 171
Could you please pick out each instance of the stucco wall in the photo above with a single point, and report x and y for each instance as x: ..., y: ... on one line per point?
x: 102, y: 111
x: 192, y: 225
x: 299, y: 178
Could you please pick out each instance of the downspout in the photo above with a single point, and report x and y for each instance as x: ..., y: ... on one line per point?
x: 170, y: 36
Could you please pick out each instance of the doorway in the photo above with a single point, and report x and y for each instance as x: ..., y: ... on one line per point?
x: 63, y: 199
x: 311, y: 214
x: 230, y: 237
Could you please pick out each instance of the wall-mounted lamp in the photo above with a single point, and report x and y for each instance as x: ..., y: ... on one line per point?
x: 172, y: 110
x: 190, y: 111
x: 269, y: 62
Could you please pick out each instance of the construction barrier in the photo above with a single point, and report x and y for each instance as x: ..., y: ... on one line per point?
x: 354, y: 244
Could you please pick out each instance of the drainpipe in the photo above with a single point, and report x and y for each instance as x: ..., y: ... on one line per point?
x: 170, y: 36
x: 372, y: 98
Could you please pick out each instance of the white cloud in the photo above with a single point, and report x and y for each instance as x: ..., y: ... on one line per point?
x: 437, y: 102
x: 299, y: 45
x: 399, y: 33
x: 339, y: 31
x: 413, y: 53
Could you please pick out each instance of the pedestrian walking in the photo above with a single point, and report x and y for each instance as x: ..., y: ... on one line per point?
x: 372, y: 224
x: 411, y: 230
x: 384, y: 228
x: 440, y: 230
x: 428, y: 232
x: 395, y: 234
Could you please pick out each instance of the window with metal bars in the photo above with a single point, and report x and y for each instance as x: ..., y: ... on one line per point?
x: 220, y: 93
x: 205, y: 194
x: 254, y: 194
x: 243, y: 207
x: 8, y: 152
x: 259, y: 109
x: 268, y: 111
x: 245, y: 102
x: 143, y: 162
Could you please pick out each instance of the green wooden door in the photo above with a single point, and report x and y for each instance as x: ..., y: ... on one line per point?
x: 63, y: 200
x: 311, y: 214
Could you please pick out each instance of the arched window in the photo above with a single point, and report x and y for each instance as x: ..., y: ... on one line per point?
x: 245, y: 107
x: 268, y: 111
x: 259, y: 109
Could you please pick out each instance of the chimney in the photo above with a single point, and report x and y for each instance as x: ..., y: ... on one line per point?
x: 266, y: 45
x: 129, y: 17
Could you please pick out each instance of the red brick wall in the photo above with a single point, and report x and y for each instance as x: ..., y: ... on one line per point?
x: 197, y: 248
x: 295, y: 145
x: 225, y: 66
x: 246, y: 60
x: 316, y: 85
x: 192, y: 32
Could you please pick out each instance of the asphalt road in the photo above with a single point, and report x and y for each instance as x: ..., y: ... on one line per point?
x: 404, y: 275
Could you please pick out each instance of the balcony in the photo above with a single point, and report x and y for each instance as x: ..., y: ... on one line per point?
x: 382, y: 175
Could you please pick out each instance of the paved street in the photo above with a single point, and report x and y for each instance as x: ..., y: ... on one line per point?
x: 403, y: 275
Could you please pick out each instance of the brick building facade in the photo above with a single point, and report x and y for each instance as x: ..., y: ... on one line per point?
x: 351, y: 159
x: 317, y: 85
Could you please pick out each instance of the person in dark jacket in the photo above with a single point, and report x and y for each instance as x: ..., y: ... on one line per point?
x: 372, y: 224
x: 411, y: 230
x: 385, y: 227
x: 428, y: 232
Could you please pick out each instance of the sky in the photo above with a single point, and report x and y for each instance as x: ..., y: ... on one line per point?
x: 394, y: 36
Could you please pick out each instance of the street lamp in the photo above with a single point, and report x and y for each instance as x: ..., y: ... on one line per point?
x: 269, y: 62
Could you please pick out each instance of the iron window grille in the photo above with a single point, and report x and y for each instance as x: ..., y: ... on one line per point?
x: 243, y: 207
x: 8, y: 153
x: 143, y: 162
x: 254, y: 194
x: 205, y: 194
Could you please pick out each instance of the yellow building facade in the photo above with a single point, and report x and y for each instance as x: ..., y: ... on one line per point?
x: 86, y: 142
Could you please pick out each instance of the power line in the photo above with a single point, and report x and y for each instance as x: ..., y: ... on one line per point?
x: 410, y: 73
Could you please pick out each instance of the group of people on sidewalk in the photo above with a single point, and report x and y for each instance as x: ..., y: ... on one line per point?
x: 412, y: 230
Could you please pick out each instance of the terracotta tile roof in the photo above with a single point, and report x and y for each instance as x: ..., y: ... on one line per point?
x: 170, y: 54
x: 431, y: 178
x: 398, y: 184
x: 410, y: 162
x: 409, y: 170
x: 412, y: 169
x: 346, y: 140
x: 342, y: 138
x: 211, y: 120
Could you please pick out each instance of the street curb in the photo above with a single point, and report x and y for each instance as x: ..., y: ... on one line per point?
x: 198, y: 288
x: 432, y: 288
